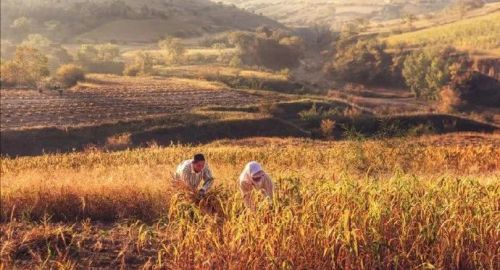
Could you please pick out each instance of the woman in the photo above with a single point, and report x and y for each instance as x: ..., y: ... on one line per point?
x: 254, y: 177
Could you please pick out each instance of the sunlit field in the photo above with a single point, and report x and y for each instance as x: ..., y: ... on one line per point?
x: 377, y: 121
x: 476, y: 33
x: 386, y: 204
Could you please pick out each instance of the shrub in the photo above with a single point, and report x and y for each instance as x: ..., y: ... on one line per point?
x: 70, y: 74
x: 450, y: 100
x: 235, y: 62
x: 142, y: 65
x: 173, y: 49
x: 327, y: 127
x: 286, y: 72
x: 102, y: 58
x: 312, y: 114
x: 49, y: 83
x: 198, y: 58
x: 362, y: 62
x: 98, y: 53
x: 352, y: 112
x: 468, y: 87
x: 118, y: 142
x: 132, y: 70
x: 218, y: 46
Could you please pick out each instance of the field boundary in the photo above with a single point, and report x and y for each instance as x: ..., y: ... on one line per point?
x: 173, y: 129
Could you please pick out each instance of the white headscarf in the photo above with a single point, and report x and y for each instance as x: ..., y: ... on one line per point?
x: 253, y: 168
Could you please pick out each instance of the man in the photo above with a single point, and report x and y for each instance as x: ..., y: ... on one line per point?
x: 254, y: 177
x: 192, y: 171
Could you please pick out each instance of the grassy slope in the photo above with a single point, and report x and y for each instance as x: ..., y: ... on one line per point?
x: 185, y: 19
x: 476, y: 33
x: 307, y: 13
x: 374, y: 204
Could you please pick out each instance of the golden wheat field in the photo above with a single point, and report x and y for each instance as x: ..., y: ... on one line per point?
x: 379, y: 204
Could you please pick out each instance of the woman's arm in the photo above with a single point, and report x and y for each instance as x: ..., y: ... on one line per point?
x: 268, y: 187
x: 246, y: 192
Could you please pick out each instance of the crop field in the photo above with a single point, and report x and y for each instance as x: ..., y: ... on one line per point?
x: 110, y: 99
x: 476, y: 33
x: 378, y: 204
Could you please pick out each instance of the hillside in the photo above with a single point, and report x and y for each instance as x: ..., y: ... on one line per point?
x: 304, y: 13
x: 481, y: 32
x: 123, y: 21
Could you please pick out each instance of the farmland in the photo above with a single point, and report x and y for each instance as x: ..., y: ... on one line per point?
x: 459, y: 34
x: 377, y: 121
x: 110, y: 100
x: 354, y: 204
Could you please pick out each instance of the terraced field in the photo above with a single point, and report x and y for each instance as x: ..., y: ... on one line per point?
x: 110, y: 99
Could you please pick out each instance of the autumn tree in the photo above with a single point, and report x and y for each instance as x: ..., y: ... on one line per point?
x: 27, y: 67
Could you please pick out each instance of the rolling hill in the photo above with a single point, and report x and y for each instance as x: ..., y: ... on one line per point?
x: 304, y: 13
x: 123, y: 20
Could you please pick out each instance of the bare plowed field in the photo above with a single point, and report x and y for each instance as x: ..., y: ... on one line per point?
x: 111, y: 99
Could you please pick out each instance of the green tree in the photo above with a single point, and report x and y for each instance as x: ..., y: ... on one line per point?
x: 427, y: 71
x: 415, y: 68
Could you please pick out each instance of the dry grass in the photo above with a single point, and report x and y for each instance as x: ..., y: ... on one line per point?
x: 358, y: 205
x: 103, y: 81
x: 211, y: 51
x: 158, y: 54
x: 203, y: 71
